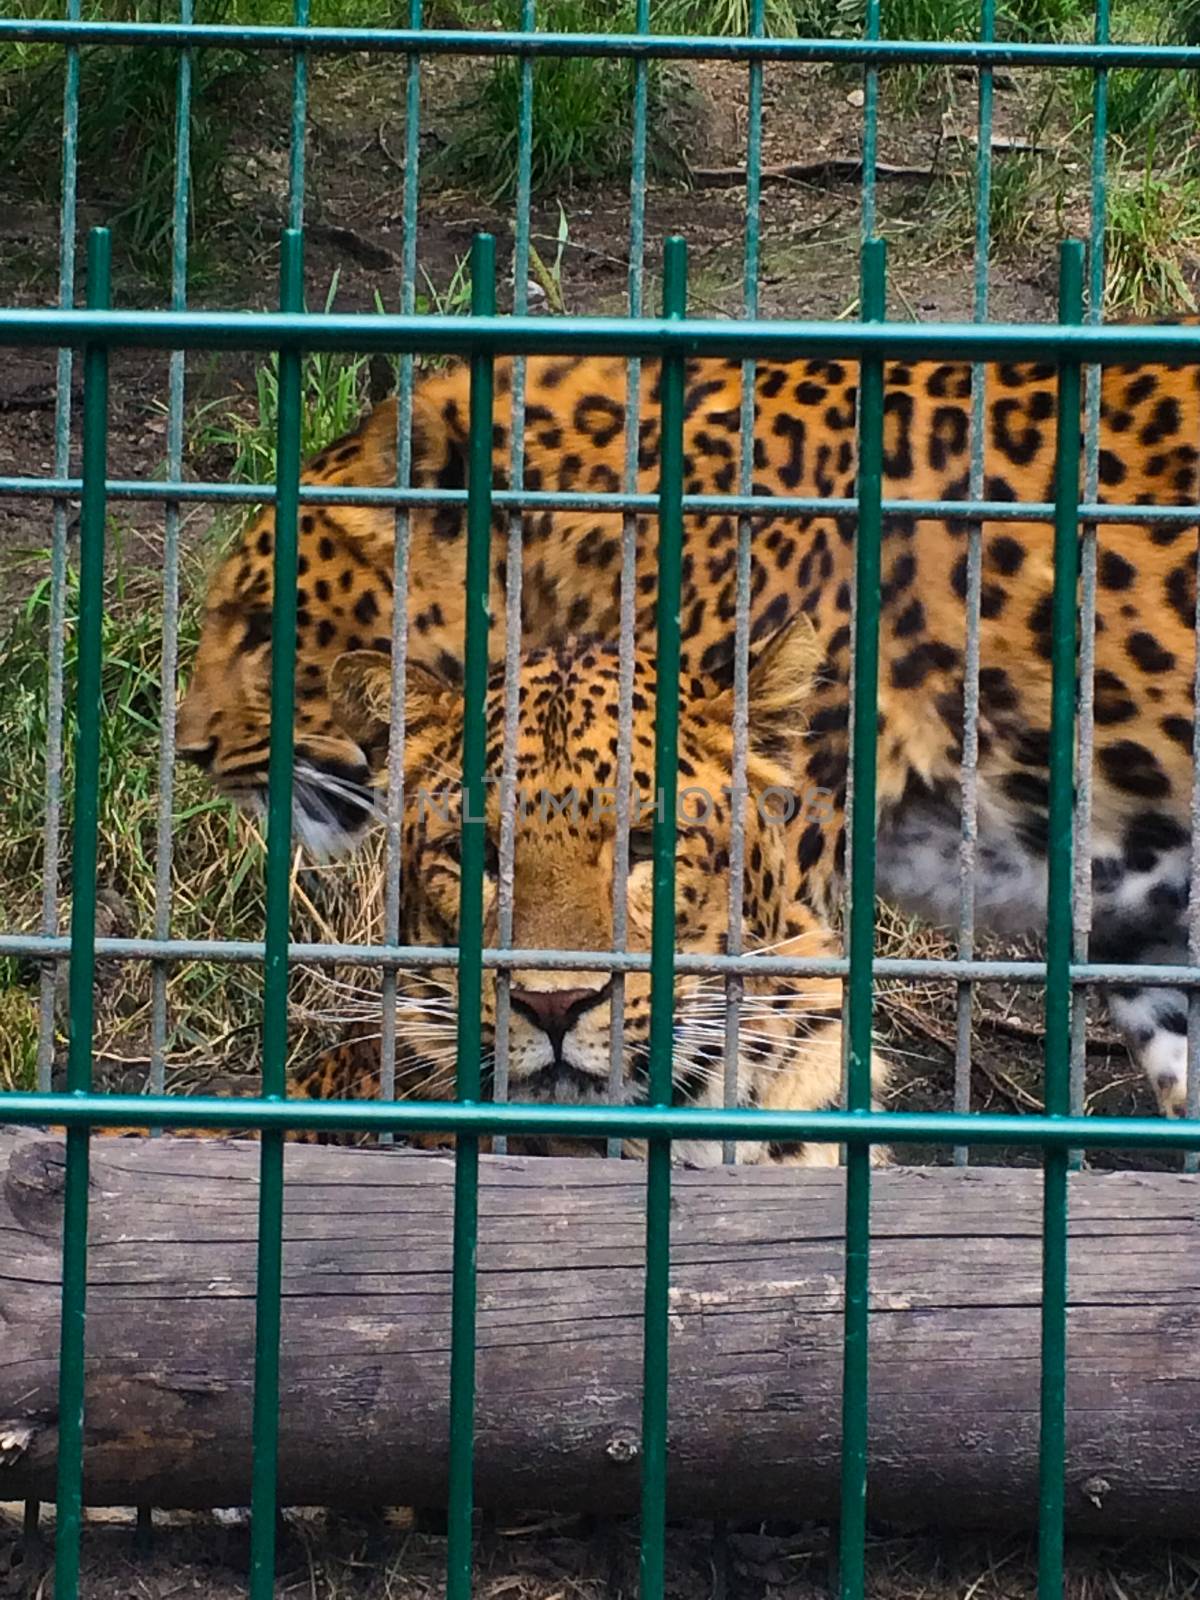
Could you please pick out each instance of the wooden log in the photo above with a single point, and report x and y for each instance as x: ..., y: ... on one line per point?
x: 756, y: 1328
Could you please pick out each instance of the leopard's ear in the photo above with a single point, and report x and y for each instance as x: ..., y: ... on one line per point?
x: 440, y: 407
x: 438, y: 410
x: 375, y: 437
x: 782, y: 672
x: 360, y: 693
x: 433, y: 695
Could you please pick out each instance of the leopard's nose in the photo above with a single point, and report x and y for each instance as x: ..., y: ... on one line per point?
x: 556, y: 1011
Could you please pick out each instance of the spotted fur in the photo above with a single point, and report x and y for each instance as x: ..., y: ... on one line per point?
x: 805, y: 444
x: 564, y: 815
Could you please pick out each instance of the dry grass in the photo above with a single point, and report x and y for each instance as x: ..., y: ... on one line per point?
x: 325, y: 1556
x: 217, y: 855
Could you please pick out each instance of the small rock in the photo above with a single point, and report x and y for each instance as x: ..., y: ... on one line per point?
x: 623, y: 1448
x: 1096, y: 1488
x: 15, y: 1440
x: 855, y: 98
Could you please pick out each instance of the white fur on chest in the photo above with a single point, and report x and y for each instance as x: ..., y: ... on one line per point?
x: 1139, y: 905
x: 918, y: 854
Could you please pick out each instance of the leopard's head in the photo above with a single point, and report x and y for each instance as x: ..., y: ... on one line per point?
x: 345, y: 576
x: 564, y: 822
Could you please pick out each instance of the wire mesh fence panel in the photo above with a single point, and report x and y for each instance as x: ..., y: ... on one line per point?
x: 658, y: 359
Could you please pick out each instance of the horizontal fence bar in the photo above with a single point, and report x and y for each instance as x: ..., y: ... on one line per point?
x: 637, y: 46
x: 51, y: 947
x: 556, y: 500
x: 1032, y: 1130
x: 1108, y: 344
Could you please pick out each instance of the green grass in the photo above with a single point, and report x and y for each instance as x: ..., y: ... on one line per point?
x: 912, y: 87
x: 1020, y: 186
x: 781, y: 18
x: 582, y: 109
x: 1148, y: 107
x: 334, y: 390
x: 330, y: 404
x: 218, y: 858
x: 1152, y: 232
x: 331, y: 400
x: 1151, y: 237
x: 215, y: 878
x: 127, y: 125
x: 1153, y: 207
x: 127, y: 121
x: 18, y: 1027
x: 1027, y: 194
x: 1042, y: 19
x: 1152, y: 226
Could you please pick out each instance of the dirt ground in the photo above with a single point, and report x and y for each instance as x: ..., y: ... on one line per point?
x: 325, y: 1557
x: 810, y: 230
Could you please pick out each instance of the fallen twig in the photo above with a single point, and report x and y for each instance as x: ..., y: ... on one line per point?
x: 804, y: 172
x: 1032, y: 1034
x: 367, y: 251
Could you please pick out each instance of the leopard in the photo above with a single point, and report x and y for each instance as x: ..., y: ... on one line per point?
x: 563, y: 808
x: 578, y: 415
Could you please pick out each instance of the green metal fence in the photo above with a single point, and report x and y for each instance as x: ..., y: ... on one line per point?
x: 1076, y: 344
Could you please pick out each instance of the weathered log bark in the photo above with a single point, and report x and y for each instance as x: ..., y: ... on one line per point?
x: 756, y: 1331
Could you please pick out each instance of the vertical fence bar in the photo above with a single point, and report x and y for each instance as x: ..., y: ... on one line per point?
x: 513, y: 576
x: 853, y: 1531
x: 83, y: 926
x: 296, y: 154
x: 170, y: 632
x: 970, y: 756
x: 394, y: 803
x: 1058, y: 940
x: 870, y: 150
x: 655, y: 1366
x: 1191, y: 1159
x: 58, y: 560
x: 470, y: 968
x: 628, y: 598
x: 264, y: 1489
x: 1087, y: 599
x: 734, y: 984
x: 870, y: 124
